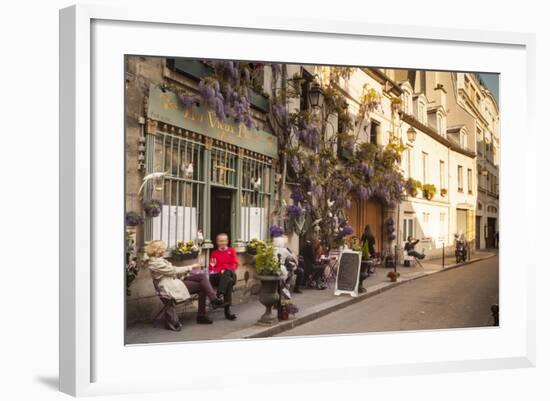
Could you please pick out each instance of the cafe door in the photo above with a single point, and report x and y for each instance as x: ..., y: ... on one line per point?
x: 221, y: 212
x: 361, y: 213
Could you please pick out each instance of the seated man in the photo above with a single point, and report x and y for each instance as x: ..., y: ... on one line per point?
x: 223, y: 263
x: 409, y: 248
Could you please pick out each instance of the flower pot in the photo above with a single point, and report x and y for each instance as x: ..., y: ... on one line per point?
x: 269, y: 297
x: 251, y: 251
x: 184, y: 256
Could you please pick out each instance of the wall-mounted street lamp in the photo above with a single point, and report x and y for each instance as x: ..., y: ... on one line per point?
x: 411, y: 134
x: 315, y: 95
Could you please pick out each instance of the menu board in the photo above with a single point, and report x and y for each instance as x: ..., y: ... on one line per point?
x: 347, y: 278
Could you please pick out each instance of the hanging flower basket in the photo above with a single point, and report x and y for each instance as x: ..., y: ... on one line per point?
x: 428, y: 190
x: 152, y: 207
x: 443, y: 192
x: 133, y: 219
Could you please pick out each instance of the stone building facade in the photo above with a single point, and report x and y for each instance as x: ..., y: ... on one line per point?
x: 218, y: 176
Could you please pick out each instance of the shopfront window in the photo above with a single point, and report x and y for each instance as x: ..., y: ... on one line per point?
x: 180, y: 190
x: 219, y: 189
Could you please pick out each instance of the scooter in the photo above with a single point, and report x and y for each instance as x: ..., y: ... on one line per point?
x: 461, y: 250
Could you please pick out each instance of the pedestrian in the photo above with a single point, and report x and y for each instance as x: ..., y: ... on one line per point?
x: 368, y: 241
x: 167, y: 279
x: 223, y: 263
x: 409, y: 248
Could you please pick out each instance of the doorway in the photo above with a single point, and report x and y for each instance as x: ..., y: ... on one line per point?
x: 478, y: 232
x: 220, y: 212
x: 491, y: 230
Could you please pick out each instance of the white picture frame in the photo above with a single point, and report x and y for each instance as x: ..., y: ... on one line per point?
x: 93, y: 357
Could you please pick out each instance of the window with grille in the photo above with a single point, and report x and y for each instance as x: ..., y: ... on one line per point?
x: 255, y: 198
x: 180, y: 190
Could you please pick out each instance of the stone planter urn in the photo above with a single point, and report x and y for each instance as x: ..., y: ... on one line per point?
x: 269, y: 297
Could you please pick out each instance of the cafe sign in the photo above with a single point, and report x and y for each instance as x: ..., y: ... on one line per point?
x: 165, y: 107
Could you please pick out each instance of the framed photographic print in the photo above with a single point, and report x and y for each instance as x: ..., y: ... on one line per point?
x: 262, y: 190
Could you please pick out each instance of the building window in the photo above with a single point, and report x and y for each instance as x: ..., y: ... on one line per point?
x: 439, y: 124
x: 408, y: 228
x: 407, y: 163
x: 374, y: 131
x: 425, y: 168
x: 460, y: 179
x: 180, y: 191
x: 421, y: 112
x: 442, y: 226
x: 442, y: 175
x: 307, y: 79
x: 229, y: 194
x: 406, y: 99
x: 255, y: 197
x: 470, y: 178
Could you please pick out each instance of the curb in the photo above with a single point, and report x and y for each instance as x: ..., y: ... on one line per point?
x: 325, y: 308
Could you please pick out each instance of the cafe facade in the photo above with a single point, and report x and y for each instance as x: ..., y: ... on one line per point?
x: 208, y: 175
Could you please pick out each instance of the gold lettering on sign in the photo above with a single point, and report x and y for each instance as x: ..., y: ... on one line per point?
x: 167, y: 102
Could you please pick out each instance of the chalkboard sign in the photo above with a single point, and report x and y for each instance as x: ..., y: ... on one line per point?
x: 347, y: 278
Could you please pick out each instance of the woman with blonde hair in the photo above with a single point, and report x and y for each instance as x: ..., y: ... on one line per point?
x: 177, y: 283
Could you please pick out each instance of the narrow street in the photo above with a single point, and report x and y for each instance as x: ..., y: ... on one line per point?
x: 458, y: 298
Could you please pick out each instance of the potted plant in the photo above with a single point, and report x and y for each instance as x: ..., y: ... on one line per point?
x: 443, y: 192
x: 185, y: 250
x: 152, y: 207
x: 276, y: 231
x: 393, y: 276
x: 268, y: 270
x: 412, y: 186
x: 428, y: 190
x: 396, y: 104
x: 253, y: 246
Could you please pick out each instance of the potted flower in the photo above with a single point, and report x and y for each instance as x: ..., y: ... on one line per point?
x: 412, y: 186
x: 393, y: 276
x: 396, y: 104
x: 428, y: 190
x: 275, y: 231
x: 152, y: 207
x: 253, y: 246
x: 268, y: 270
x: 443, y: 192
x: 185, y: 250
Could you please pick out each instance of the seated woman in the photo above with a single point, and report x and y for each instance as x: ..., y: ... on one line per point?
x: 223, y: 263
x: 173, y: 289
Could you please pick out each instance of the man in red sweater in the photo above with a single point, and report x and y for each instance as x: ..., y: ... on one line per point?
x: 223, y: 263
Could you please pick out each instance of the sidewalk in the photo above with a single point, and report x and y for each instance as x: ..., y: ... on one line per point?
x: 312, y: 304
